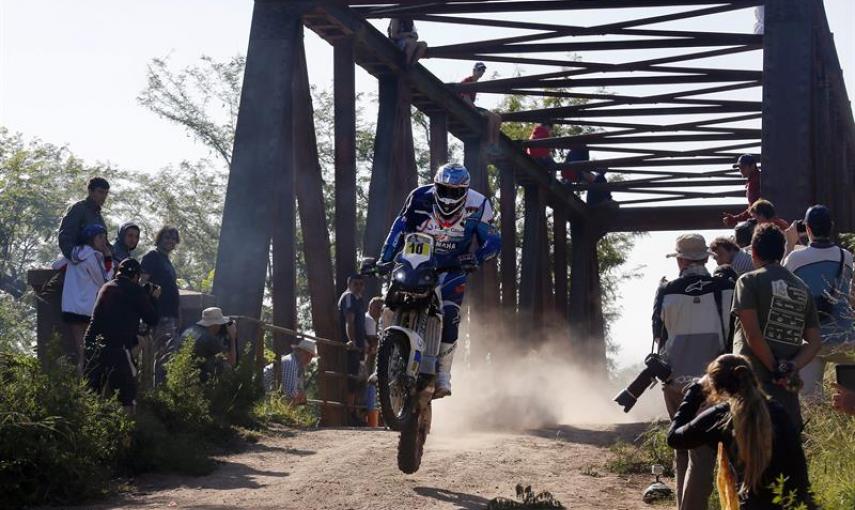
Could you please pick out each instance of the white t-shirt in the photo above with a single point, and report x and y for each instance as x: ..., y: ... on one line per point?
x: 370, y: 325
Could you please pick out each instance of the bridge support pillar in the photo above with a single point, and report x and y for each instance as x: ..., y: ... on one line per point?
x: 587, y: 325
x: 788, y: 171
x: 260, y: 197
x: 532, y: 276
x: 344, y: 97
x: 438, y: 140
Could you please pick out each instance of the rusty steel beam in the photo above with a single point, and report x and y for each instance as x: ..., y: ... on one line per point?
x: 262, y: 167
x: 402, y: 8
x: 344, y: 97
x: 317, y: 253
x: 507, y: 219
x: 652, y: 219
x: 559, y: 268
x: 787, y: 65
x: 438, y: 140
x: 532, y: 272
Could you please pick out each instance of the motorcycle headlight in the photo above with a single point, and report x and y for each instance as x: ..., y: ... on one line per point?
x: 399, y: 276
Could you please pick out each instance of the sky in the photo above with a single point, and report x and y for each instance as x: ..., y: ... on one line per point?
x: 70, y: 73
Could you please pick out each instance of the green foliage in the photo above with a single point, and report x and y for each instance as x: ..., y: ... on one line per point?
x: 59, y: 443
x: 788, y: 500
x: 17, y: 323
x: 651, y: 447
x: 275, y: 409
x: 830, y: 450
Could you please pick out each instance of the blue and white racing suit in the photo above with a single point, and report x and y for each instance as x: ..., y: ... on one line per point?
x: 452, y: 239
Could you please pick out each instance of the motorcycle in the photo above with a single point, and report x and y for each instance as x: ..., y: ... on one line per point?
x: 409, y: 344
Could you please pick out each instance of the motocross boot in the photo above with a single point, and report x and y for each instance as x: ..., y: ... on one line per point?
x: 443, y: 370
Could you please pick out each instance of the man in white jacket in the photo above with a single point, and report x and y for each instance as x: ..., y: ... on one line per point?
x: 90, y: 267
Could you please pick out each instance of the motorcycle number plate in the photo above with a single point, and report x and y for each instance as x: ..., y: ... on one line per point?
x: 418, y: 248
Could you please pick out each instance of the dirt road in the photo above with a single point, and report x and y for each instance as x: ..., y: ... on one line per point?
x: 355, y: 469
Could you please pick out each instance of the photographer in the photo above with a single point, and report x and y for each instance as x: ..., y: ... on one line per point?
x: 759, y: 441
x: 112, y: 333
x: 778, y: 328
x: 212, y: 336
x: 691, y: 327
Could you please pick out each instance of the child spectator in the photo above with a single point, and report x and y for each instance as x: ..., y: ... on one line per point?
x: 763, y: 212
x: 126, y: 241
x: 742, y: 234
x: 757, y: 439
x: 88, y: 268
x: 402, y: 31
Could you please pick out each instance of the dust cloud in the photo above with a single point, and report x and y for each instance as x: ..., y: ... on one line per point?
x: 527, y: 385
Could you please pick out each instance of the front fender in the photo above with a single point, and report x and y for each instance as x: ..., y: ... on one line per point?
x: 416, y: 347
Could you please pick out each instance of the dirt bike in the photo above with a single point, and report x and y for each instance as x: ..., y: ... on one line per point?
x: 409, y: 344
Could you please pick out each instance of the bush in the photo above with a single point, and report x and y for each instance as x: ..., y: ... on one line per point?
x: 59, y: 442
x: 651, y: 447
x: 830, y: 450
x: 274, y: 408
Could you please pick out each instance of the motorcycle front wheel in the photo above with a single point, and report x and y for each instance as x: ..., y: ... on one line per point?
x: 396, y: 400
x: 411, y: 443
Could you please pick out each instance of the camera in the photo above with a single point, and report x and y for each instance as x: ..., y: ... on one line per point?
x: 655, y: 367
x: 150, y: 288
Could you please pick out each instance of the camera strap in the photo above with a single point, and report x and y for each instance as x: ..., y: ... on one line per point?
x: 719, y: 307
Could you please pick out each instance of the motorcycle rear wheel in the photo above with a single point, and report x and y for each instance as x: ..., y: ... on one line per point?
x: 396, y: 400
x: 411, y: 443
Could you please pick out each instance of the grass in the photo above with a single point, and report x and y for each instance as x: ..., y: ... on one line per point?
x: 649, y: 448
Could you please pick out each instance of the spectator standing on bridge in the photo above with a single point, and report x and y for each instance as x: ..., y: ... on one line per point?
x: 763, y: 212
x: 691, y: 327
x: 747, y: 165
x: 80, y: 215
x: 402, y: 31
x: 351, y: 317
x: 83, y: 279
x: 725, y: 251
x: 157, y: 268
x: 827, y: 270
x: 126, y: 241
x: 777, y: 325
x: 494, y: 120
x: 214, y: 338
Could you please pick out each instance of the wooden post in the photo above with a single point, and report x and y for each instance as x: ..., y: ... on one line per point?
x: 531, y: 281
x: 559, y: 235
x: 438, y: 140
x: 787, y: 76
x: 586, y: 320
x: 508, y: 219
x: 344, y: 92
x: 262, y: 164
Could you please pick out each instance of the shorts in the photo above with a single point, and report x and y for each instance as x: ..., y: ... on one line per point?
x: 75, y: 318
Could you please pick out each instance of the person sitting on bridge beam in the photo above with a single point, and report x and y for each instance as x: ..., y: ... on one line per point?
x: 570, y: 177
x: 747, y: 165
x: 402, y: 31
x: 494, y: 120
x: 542, y: 155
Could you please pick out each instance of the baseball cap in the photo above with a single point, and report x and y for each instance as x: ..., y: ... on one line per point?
x: 745, y: 159
x: 479, y: 65
x: 128, y: 268
x: 818, y: 217
x: 691, y: 247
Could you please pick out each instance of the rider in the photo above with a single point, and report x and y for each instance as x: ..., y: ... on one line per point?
x: 454, y: 216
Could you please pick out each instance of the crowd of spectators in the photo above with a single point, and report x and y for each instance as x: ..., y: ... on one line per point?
x: 746, y: 344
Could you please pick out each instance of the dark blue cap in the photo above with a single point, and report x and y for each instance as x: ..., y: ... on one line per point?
x: 745, y: 159
x: 818, y: 218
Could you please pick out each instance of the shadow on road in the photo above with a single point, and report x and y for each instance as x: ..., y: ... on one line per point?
x: 594, y: 435
x: 461, y: 500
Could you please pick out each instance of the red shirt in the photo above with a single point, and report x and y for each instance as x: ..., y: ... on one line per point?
x: 539, y: 132
x: 471, y: 95
x: 752, y: 193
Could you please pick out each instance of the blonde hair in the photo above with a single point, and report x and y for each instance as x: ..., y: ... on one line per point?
x: 730, y: 378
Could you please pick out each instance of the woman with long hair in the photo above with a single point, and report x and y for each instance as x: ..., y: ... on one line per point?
x: 756, y: 441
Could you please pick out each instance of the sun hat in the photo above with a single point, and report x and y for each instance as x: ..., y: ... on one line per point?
x: 691, y: 247
x: 213, y: 316
x: 307, y: 345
